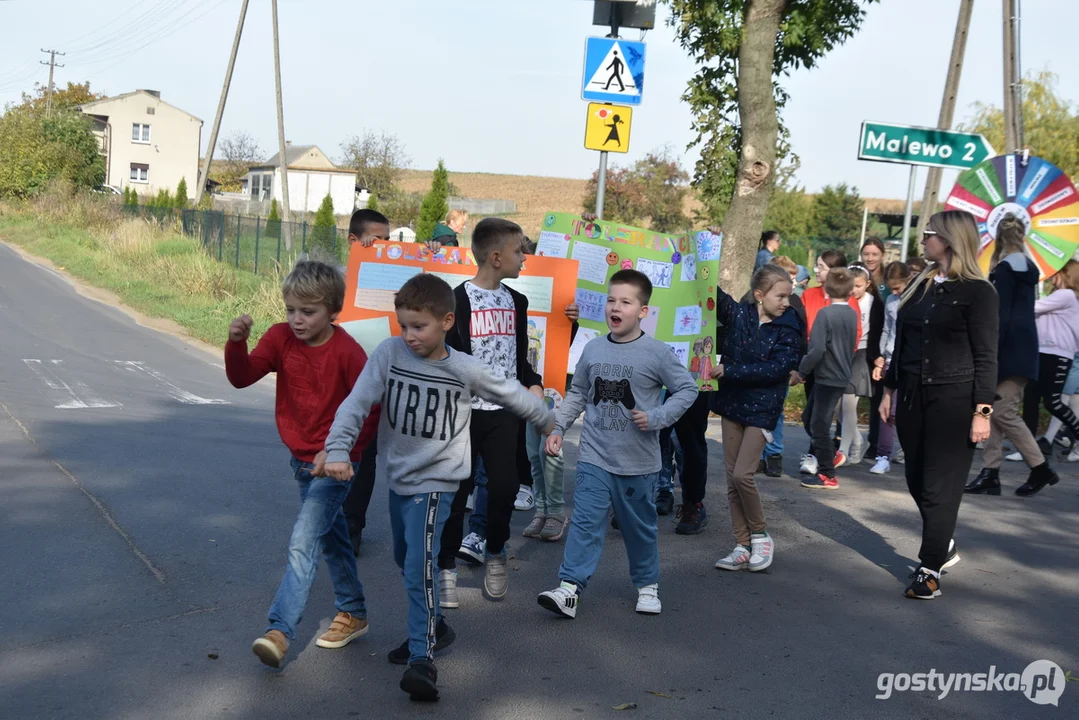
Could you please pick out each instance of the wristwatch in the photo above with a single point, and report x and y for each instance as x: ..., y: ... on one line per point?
x: 985, y: 411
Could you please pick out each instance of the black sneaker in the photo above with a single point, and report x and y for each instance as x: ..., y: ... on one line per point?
x: 419, y: 682
x: 773, y: 466
x: 444, y: 637
x: 953, y: 556
x: 664, y: 502
x: 924, y: 587
x: 692, y: 519
x: 762, y: 467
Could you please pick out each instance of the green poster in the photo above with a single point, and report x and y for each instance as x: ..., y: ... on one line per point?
x: 683, y: 270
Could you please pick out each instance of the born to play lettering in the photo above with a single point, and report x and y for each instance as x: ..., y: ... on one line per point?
x: 423, y: 408
x: 494, y: 321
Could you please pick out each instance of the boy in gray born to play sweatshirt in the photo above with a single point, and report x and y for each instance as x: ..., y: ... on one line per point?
x: 617, y: 383
x: 424, y: 450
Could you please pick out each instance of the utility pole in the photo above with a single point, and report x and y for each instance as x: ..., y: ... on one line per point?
x: 601, y: 180
x: 281, y: 147
x: 1011, y: 140
x: 204, y: 176
x: 947, y: 109
x: 52, y: 68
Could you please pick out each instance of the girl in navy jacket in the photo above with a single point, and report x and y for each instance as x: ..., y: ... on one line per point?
x: 762, y: 347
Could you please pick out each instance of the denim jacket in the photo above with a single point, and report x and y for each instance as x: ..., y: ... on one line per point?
x: 959, y: 337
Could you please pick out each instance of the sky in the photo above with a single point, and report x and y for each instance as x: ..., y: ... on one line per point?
x: 495, y: 86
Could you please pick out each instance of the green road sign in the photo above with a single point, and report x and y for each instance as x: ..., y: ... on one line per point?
x: 909, y: 145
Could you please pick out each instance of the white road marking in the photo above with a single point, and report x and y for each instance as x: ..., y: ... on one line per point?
x: 177, y: 393
x: 81, y: 396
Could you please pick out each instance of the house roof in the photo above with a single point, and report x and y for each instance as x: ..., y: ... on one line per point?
x: 90, y: 106
x: 292, y: 154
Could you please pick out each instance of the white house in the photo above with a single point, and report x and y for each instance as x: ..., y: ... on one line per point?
x: 148, y: 144
x: 311, y: 175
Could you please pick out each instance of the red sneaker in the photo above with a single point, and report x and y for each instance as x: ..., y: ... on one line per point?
x: 820, y: 482
x: 840, y: 460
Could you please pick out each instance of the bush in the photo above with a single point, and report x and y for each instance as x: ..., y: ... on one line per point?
x: 180, y: 201
x: 435, y: 203
x: 35, y: 150
x: 402, y: 209
x: 321, y: 239
x: 273, y: 221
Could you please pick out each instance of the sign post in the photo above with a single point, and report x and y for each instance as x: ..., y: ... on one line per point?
x: 914, y: 146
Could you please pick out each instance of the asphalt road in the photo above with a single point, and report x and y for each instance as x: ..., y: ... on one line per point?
x: 145, y: 508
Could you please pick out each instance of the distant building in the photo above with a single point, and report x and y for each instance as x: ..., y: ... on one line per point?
x: 148, y: 144
x: 311, y: 175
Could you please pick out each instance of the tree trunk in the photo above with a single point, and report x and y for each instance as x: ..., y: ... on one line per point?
x: 744, y: 221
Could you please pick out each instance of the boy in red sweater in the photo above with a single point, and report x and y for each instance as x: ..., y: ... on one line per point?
x: 317, y: 364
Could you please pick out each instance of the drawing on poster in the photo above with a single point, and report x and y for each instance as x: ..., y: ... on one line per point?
x: 593, y: 262
x: 708, y: 246
x: 660, y: 273
x: 591, y: 304
x: 681, y: 351
x: 651, y: 321
x: 689, y: 268
x: 584, y: 335
x: 552, y: 244
x: 700, y: 362
x: 687, y: 320
x: 537, y: 333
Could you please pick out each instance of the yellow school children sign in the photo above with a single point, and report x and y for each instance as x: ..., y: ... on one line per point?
x: 607, y: 127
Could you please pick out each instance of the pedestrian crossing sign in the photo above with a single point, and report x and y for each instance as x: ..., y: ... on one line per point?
x: 613, y: 71
x: 607, y: 127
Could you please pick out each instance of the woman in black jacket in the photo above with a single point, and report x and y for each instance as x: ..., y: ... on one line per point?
x: 943, y: 376
x: 1015, y: 277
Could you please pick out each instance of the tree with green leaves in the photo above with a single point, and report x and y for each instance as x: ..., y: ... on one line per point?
x: 740, y: 48
x: 321, y: 239
x: 837, y: 215
x: 66, y: 98
x: 652, y: 193
x: 35, y: 151
x: 180, y: 200
x: 372, y: 202
x: 273, y: 220
x: 1051, y: 123
x: 435, y: 203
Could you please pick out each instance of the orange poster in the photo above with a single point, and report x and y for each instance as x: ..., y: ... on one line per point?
x: 376, y: 273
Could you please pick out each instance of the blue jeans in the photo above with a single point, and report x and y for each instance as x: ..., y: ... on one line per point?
x: 633, y: 498
x: 671, y: 455
x: 320, y: 528
x: 477, y: 521
x: 776, y: 446
x: 417, y: 522
x: 548, y: 473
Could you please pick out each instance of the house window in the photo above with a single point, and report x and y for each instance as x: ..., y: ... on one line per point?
x: 140, y: 133
x: 140, y: 173
x: 262, y: 186
x: 150, y: 110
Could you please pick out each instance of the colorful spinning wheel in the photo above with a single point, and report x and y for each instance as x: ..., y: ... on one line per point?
x: 1039, y: 193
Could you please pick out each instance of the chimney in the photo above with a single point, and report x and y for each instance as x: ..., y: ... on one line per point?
x: 288, y: 143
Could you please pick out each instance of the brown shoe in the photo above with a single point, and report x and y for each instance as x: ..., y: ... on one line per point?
x: 271, y: 648
x: 344, y: 629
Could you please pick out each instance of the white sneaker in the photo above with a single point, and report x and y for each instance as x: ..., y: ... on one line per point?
x: 737, y: 560
x: 447, y: 589
x: 809, y: 465
x: 562, y: 600
x: 524, y: 500
x: 1073, y: 456
x: 764, y: 550
x: 1014, y: 457
x: 648, y: 600
x: 883, y: 466
x: 496, y: 579
x: 472, y: 549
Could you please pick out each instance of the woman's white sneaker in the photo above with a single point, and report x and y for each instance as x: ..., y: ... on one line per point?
x: 737, y: 560
x: 809, y: 465
x: 648, y: 600
x: 525, y: 500
x: 882, y: 466
x: 762, y: 553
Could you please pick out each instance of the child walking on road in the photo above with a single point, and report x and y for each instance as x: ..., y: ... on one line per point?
x: 617, y: 383
x: 317, y: 364
x: 427, y: 390
x: 762, y: 348
x: 829, y: 359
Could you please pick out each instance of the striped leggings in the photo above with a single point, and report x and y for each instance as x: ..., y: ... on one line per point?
x: 1052, y: 372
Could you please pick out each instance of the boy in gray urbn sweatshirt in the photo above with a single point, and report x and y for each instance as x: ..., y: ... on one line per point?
x: 617, y: 384
x: 424, y: 450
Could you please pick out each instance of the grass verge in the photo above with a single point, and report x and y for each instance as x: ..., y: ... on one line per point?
x: 154, y: 270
